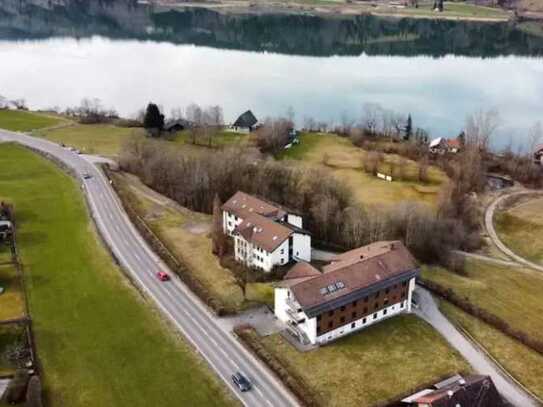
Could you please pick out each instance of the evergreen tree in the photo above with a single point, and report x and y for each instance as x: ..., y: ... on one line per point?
x: 408, y: 128
x: 153, y: 119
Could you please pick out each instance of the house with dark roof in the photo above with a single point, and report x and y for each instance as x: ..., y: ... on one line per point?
x: 177, y: 125
x: 245, y: 123
x: 357, y: 289
x: 265, y: 234
x: 475, y: 390
x: 538, y: 154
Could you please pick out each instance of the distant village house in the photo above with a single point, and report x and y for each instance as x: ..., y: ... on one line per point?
x: 175, y: 126
x: 357, y: 289
x: 538, y: 154
x: 441, y: 145
x: 265, y: 234
x: 245, y: 123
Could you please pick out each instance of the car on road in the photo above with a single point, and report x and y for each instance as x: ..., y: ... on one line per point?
x: 241, y: 381
x: 86, y: 175
x: 162, y: 276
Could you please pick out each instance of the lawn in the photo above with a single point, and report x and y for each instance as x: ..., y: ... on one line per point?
x: 19, y: 120
x: 186, y: 234
x: 380, y: 363
x: 103, y: 139
x: 521, y: 229
x: 521, y: 362
x: 12, y: 300
x: 224, y: 138
x: 344, y: 160
x: 513, y: 294
x: 99, y: 342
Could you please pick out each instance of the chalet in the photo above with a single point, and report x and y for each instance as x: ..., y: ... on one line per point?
x: 357, y: 289
x: 245, y: 123
x: 538, y: 154
x: 475, y: 390
x: 265, y: 234
x: 453, y: 145
x: 442, y: 145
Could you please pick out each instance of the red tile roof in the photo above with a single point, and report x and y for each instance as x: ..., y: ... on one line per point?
x: 263, y: 232
x: 243, y: 205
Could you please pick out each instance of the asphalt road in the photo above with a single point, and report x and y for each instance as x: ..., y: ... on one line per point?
x: 192, y: 318
x: 427, y: 309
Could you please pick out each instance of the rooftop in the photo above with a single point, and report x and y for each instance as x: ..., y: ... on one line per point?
x: 355, y: 275
x: 244, y: 205
x: 263, y: 232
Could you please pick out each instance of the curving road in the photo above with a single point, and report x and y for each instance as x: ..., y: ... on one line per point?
x: 428, y: 310
x: 489, y: 224
x: 214, y: 342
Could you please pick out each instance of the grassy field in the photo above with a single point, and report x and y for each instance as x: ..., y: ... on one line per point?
x: 222, y: 139
x: 99, y: 343
x: 381, y: 363
x: 104, y: 139
x: 186, y: 234
x: 18, y: 120
x: 513, y: 294
x: 345, y: 160
x: 459, y: 10
x: 521, y: 362
x: 521, y: 229
x: 12, y: 300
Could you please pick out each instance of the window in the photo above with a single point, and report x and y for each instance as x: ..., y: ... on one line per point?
x: 353, y: 315
x: 364, y: 320
x: 324, y: 291
x: 376, y: 305
x: 342, y: 320
x: 330, y: 324
x: 385, y: 311
x: 282, y: 251
x: 354, y: 303
x: 282, y: 261
x: 353, y: 325
x: 343, y: 308
x: 375, y: 316
x: 319, y: 317
x: 297, y: 253
x: 401, y: 304
x: 331, y: 313
x: 404, y: 284
x: 301, y: 321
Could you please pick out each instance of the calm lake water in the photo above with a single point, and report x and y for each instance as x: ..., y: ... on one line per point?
x: 403, y: 71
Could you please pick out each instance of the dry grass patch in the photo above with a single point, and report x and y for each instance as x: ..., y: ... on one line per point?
x: 521, y: 362
x: 12, y: 300
x: 345, y: 161
x: 513, y: 294
x: 381, y: 363
x: 186, y: 234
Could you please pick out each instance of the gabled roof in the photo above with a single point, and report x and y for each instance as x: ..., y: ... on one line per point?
x: 539, y: 149
x: 247, y: 119
x: 437, y: 142
x: 263, y: 232
x: 474, y: 390
x: 454, y: 143
x: 302, y: 269
x: 349, y: 279
x: 243, y: 205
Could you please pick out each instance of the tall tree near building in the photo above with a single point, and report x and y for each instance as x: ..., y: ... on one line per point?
x: 219, y: 240
x: 408, y: 128
x: 153, y: 119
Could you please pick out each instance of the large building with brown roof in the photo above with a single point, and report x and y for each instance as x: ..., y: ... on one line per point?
x: 265, y: 234
x: 357, y: 289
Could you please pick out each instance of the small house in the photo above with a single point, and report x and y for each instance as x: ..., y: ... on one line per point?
x: 538, y: 154
x: 474, y: 390
x: 175, y: 126
x: 245, y: 123
x: 438, y: 146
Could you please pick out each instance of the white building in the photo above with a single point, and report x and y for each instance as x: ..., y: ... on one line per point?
x: 264, y: 234
x: 358, y: 289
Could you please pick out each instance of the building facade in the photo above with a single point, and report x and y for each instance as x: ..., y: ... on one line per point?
x: 358, y: 289
x: 265, y: 235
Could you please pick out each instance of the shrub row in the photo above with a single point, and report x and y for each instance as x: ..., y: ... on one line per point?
x: 491, y: 319
x: 294, y: 383
x: 172, y: 262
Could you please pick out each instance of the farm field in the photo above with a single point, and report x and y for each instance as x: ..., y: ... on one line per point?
x: 19, y: 120
x: 186, y: 234
x: 344, y: 160
x: 12, y: 300
x: 521, y: 229
x: 99, y: 343
x: 522, y: 363
x: 353, y: 371
x: 511, y: 293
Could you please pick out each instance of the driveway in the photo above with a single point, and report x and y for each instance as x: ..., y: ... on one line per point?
x: 489, y: 224
x: 428, y: 310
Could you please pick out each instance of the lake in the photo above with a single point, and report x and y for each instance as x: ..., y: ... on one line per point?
x: 439, y: 72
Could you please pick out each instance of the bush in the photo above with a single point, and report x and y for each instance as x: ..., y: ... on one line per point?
x: 16, y: 391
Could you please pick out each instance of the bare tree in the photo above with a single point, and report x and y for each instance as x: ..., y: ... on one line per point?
x: 535, y: 137
x: 371, y: 113
x: 195, y: 116
x: 480, y: 126
x: 212, y: 122
x: 273, y: 135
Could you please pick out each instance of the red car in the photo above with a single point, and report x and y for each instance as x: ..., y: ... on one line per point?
x: 162, y: 276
